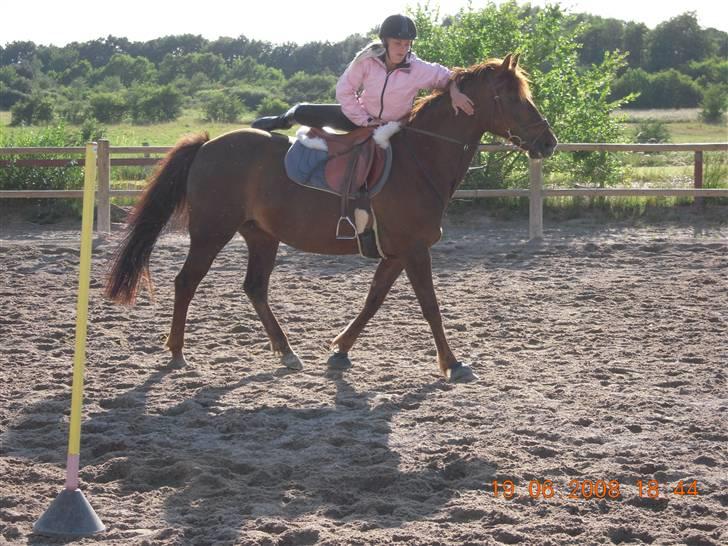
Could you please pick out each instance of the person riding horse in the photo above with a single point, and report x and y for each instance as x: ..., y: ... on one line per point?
x: 378, y: 86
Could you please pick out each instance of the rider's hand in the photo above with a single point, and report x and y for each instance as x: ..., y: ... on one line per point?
x: 460, y: 101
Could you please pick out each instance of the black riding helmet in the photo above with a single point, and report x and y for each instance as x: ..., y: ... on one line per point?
x: 399, y: 27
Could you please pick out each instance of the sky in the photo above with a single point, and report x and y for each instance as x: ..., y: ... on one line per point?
x: 62, y: 21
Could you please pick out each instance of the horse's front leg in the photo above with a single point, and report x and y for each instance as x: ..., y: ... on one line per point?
x: 387, y: 272
x: 419, y: 270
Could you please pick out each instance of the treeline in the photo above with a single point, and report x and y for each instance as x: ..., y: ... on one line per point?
x: 673, y: 65
x: 113, y: 79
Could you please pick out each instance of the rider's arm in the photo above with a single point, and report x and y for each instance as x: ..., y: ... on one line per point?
x: 347, y: 89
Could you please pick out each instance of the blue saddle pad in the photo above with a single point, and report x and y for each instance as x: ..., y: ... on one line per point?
x: 306, y: 166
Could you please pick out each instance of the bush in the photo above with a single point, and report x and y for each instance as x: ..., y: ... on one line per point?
x: 40, y: 178
x: 108, y: 107
x: 34, y: 110
x: 154, y: 104
x: 251, y: 97
x: 76, y: 111
x: 666, y: 89
x: 272, y: 106
x: 652, y: 131
x: 302, y: 87
x: 221, y: 106
x: 714, y: 103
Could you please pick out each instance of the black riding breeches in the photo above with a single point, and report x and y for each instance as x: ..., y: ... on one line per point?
x: 321, y: 115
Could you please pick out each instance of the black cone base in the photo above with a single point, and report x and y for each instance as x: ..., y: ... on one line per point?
x: 70, y: 515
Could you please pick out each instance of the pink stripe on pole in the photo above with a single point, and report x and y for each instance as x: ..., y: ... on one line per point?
x: 72, y: 463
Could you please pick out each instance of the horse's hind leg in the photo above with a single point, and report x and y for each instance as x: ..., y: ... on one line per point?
x: 203, y: 250
x: 262, y: 250
x: 387, y: 272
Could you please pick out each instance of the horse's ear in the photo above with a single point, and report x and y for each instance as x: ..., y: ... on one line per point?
x: 516, y: 58
x: 506, y: 62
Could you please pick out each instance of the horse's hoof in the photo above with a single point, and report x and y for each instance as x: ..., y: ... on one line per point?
x: 291, y: 361
x: 339, y: 361
x: 177, y: 362
x: 460, y: 373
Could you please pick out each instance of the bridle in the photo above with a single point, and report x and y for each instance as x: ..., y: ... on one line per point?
x: 466, y: 146
x: 515, y: 139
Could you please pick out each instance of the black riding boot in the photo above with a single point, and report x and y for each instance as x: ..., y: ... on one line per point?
x: 271, y: 123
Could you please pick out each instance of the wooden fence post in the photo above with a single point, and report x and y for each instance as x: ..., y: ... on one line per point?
x: 103, y: 203
x: 535, y: 216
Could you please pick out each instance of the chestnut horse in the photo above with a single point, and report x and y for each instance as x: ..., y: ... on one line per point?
x: 237, y: 183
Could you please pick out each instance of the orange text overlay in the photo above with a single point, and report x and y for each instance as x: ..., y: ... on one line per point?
x: 591, y: 489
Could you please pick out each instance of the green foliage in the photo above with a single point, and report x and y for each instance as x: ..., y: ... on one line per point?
x: 108, y: 107
x: 40, y: 178
x: 302, y: 87
x: 665, y: 89
x: 221, y: 106
x: 34, y: 110
x: 154, y: 104
x: 714, y: 103
x: 272, y: 106
x: 186, y: 66
x: 707, y: 71
x: 677, y: 42
x: 574, y: 100
x: 130, y: 70
x: 249, y: 71
x: 251, y: 96
x: 652, y: 131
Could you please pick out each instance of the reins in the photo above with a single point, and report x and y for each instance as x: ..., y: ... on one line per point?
x: 464, y: 147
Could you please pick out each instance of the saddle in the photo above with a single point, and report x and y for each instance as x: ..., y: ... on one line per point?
x: 354, y: 159
x: 354, y: 166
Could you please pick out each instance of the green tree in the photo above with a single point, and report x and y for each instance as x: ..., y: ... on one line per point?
x: 108, y: 107
x: 714, y: 103
x: 576, y: 101
x: 247, y: 70
x: 221, y: 106
x: 302, y: 87
x: 189, y: 64
x: 149, y: 104
x: 128, y: 69
x: 34, y: 110
x: 676, y: 42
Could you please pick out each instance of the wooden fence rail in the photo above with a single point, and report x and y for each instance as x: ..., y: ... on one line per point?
x: 536, y: 193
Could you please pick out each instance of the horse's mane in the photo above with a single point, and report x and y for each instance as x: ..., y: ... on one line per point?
x: 517, y: 78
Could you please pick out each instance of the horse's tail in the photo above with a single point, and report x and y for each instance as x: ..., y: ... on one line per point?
x: 165, y: 195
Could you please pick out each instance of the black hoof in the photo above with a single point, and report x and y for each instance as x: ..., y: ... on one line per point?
x: 339, y: 361
x: 460, y: 373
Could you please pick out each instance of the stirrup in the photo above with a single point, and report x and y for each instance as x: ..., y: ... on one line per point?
x: 338, y: 228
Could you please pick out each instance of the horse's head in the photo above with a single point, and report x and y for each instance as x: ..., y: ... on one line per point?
x: 504, y: 105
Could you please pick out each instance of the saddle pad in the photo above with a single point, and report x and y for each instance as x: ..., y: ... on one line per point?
x: 307, y: 166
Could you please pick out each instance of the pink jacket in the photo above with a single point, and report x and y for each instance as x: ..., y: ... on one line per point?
x: 367, y: 92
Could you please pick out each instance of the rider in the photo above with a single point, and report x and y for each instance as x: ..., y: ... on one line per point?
x: 378, y: 86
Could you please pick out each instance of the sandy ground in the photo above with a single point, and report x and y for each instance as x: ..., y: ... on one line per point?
x: 602, y: 356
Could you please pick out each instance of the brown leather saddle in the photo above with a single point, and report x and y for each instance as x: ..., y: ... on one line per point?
x: 355, y: 161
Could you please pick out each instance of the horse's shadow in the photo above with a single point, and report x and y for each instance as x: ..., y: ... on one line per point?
x: 226, y: 469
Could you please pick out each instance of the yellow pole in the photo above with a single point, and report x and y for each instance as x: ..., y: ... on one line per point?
x: 79, y: 359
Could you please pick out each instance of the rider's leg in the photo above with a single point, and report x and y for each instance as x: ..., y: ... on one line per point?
x: 312, y: 115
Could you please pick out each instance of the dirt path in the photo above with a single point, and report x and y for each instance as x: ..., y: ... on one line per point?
x: 602, y: 356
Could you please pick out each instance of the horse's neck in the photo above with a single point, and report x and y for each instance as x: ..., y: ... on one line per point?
x: 446, y: 159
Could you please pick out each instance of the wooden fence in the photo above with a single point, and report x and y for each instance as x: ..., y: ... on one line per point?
x: 536, y: 193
